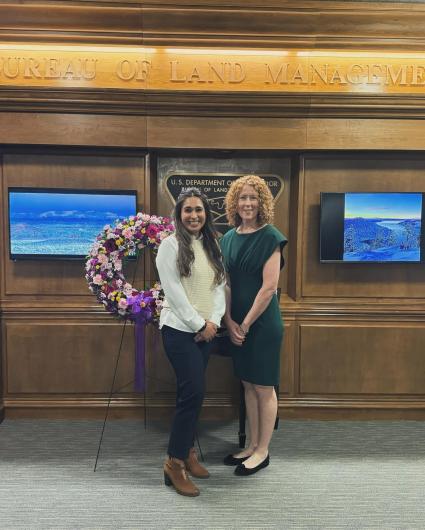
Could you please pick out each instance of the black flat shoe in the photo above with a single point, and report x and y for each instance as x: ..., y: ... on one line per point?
x: 230, y: 460
x: 243, y: 471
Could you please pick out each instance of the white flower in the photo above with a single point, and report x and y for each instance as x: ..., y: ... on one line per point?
x: 128, y: 289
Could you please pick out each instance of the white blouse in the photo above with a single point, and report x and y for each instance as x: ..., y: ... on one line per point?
x: 192, y: 300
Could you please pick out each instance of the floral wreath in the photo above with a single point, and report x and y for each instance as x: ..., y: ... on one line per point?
x: 104, y: 272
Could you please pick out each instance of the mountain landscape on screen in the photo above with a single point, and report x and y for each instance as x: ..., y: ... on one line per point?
x: 382, y: 227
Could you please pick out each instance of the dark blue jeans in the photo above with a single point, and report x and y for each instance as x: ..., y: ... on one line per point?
x: 189, y: 360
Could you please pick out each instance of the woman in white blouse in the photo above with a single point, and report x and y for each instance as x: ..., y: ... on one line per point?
x: 192, y: 276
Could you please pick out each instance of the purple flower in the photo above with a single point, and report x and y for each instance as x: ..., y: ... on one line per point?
x: 110, y: 245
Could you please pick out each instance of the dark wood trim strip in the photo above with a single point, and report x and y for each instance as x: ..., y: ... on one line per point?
x: 252, y: 104
x: 223, y: 409
x: 378, y: 25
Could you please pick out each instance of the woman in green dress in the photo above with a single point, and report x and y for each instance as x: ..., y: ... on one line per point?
x: 252, y: 253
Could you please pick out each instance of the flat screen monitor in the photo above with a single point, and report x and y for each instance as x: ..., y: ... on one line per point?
x: 371, y: 227
x: 62, y: 223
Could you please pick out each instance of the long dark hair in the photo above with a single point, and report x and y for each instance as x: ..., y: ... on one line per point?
x: 185, y: 256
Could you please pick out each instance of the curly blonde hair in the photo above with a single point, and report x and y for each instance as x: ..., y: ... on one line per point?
x: 265, y: 202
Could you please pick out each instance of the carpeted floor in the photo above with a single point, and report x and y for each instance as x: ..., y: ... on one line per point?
x: 323, y: 475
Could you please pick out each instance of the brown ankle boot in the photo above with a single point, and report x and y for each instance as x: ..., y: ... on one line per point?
x: 175, y: 475
x: 194, y: 467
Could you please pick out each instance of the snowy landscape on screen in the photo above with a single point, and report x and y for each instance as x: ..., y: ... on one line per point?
x: 382, y: 226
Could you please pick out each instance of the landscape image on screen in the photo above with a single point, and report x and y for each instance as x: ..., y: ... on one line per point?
x: 382, y: 226
x: 62, y: 224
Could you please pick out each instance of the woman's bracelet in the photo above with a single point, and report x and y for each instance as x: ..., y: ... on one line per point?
x: 245, y: 332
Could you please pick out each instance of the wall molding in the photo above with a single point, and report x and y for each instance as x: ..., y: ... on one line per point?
x: 222, y: 408
x: 348, y: 310
x: 272, y: 23
x: 165, y: 103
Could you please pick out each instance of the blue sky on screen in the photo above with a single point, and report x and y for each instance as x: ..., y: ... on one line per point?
x: 45, y: 205
x: 383, y: 205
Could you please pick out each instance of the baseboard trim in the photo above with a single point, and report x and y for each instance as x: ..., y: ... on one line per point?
x: 215, y: 408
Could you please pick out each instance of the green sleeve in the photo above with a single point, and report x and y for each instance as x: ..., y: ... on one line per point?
x: 272, y: 239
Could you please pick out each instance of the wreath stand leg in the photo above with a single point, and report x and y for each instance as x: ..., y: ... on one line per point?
x: 111, y: 392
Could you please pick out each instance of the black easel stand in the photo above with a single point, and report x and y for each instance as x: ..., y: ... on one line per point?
x: 111, y: 391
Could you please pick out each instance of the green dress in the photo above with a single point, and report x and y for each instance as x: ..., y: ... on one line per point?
x: 258, y: 359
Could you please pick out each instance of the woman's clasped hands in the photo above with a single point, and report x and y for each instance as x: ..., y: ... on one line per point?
x: 236, y: 333
x: 208, y: 333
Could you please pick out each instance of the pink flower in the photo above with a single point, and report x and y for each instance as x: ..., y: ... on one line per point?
x: 97, y: 279
x: 102, y: 258
x: 122, y: 304
x: 152, y: 231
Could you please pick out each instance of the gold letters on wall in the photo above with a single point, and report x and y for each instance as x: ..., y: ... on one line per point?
x: 211, y: 69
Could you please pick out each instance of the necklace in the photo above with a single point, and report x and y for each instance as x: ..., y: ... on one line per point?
x: 248, y: 230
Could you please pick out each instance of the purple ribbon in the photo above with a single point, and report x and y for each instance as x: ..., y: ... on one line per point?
x: 139, y: 354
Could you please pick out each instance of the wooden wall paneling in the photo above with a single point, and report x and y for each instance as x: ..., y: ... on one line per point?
x: 287, y: 356
x: 252, y: 24
x: 71, y: 24
x: 365, y: 134
x: 72, y: 129
x: 347, y: 280
x: 292, y: 24
x: 71, y: 357
x: 296, y: 202
x: 207, y: 132
x: 63, y: 280
x: 150, y: 207
x: 362, y: 359
x: 225, y: 133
